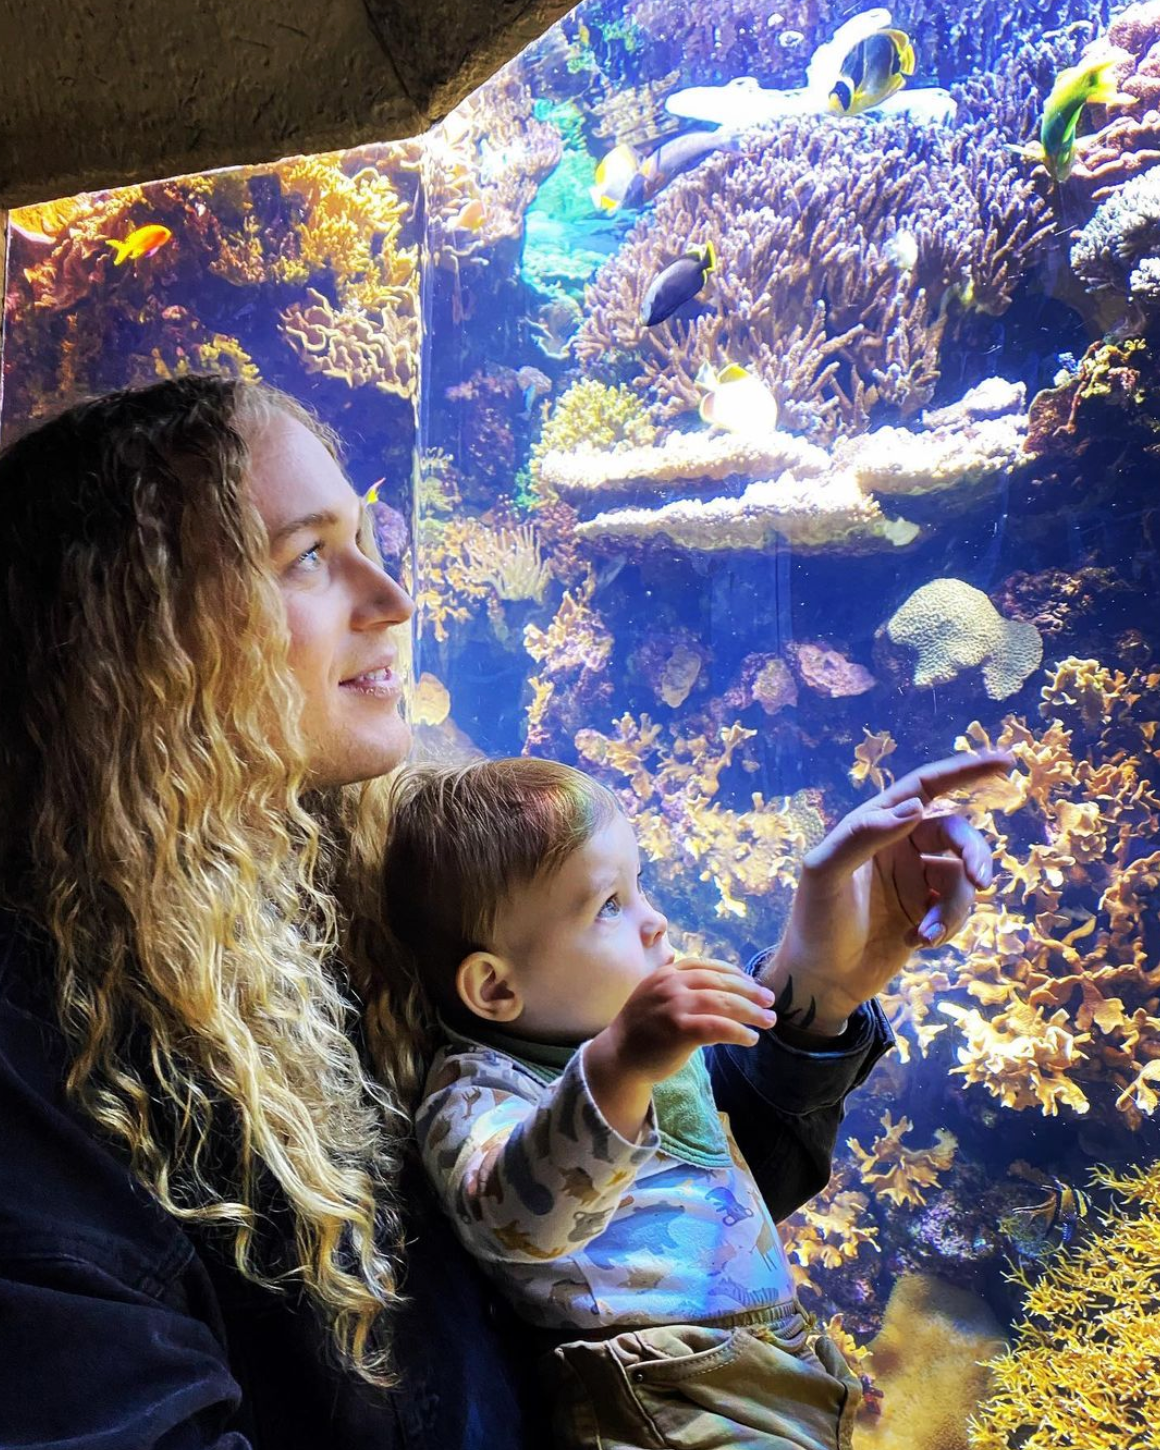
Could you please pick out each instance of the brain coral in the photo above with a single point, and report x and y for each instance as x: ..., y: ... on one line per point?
x: 955, y: 627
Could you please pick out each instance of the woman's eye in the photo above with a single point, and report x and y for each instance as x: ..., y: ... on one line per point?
x: 610, y: 908
x: 309, y: 557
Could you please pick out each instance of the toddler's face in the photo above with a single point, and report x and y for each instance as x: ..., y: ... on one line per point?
x: 581, y: 941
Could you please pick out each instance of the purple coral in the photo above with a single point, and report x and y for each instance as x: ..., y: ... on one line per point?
x: 810, y: 221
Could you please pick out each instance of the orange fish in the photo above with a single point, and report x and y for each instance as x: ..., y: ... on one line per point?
x: 471, y: 218
x: 142, y: 242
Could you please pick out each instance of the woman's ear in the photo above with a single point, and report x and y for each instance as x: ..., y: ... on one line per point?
x: 485, y: 987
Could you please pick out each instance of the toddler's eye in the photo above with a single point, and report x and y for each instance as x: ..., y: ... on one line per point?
x: 610, y: 908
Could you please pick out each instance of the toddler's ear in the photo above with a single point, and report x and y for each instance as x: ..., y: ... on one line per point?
x: 486, y: 988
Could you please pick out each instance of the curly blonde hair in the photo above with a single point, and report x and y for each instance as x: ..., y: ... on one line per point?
x: 156, y: 823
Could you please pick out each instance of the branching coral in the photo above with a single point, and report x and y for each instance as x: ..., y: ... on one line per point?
x: 1057, y: 962
x: 804, y: 219
x: 1085, y: 1367
x: 572, y: 654
x: 588, y: 416
x: 668, y: 787
x: 954, y: 627
x: 481, y: 169
x: 899, y: 1173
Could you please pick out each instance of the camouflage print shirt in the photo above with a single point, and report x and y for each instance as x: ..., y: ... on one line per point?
x: 579, y: 1227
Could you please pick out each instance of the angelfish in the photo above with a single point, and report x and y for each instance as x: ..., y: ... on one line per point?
x: 872, y: 72
x: 677, y: 284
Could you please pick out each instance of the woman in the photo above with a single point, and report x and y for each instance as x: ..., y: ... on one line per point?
x: 209, y: 1234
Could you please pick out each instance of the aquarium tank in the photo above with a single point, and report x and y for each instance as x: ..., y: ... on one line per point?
x: 758, y: 401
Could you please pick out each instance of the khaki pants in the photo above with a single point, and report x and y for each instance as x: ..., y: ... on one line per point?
x: 766, y: 1379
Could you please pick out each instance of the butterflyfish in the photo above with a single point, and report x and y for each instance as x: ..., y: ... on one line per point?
x: 142, y: 242
x: 677, y: 284
x: 872, y: 72
x: 736, y: 400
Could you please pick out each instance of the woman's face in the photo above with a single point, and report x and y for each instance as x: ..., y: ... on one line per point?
x: 341, y: 607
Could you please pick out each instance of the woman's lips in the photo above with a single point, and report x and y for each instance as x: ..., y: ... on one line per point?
x: 379, y: 683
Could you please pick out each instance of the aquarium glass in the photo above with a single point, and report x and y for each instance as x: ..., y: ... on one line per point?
x: 761, y: 402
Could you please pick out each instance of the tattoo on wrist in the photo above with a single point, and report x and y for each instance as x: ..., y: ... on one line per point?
x: 800, y: 1017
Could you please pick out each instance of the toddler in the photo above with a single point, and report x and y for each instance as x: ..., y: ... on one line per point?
x: 568, y: 1121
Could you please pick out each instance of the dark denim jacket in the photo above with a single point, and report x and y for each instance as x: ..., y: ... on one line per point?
x: 120, y: 1330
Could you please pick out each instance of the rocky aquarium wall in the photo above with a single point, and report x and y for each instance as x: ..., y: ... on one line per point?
x: 757, y: 407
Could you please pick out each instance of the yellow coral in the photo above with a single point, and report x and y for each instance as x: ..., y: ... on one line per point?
x: 897, y: 1172
x: 1085, y: 1367
x: 1084, y: 686
x: 507, y: 560
x: 830, y: 1230
x: 868, y: 758
x: 954, y: 627
x: 588, y: 416
x: 928, y: 1360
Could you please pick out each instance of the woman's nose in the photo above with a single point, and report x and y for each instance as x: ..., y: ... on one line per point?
x: 385, y: 601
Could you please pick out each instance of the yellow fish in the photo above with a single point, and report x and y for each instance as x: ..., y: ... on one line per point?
x: 873, y: 71
x: 1087, y: 84
x: 142, y: 242
x: 736, y: 400
x: 372, y: 493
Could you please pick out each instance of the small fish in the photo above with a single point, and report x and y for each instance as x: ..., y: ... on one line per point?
x: 372, y: 493
x: 472, y: 216
x: 1041, y: 1228
x: 1077, y: 86
x: 625, y: 179
x: 533, y: 384
x: 736, y: 400
x: 677, y: 284
x: 902, y: 251
x: 872, y: 72
x: 142, y: 242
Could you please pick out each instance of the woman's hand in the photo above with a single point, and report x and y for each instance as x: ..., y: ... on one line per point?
x: 889, y: 877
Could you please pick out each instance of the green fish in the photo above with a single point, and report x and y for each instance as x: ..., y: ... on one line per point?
x: 1087, y: 84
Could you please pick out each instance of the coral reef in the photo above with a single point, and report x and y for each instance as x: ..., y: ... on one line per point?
x: 929, y: 1362
x: 481, y: 169
x: 961, y: 448
x: 827, y: 671
x: 672, y: 662
x: 364, y: 347
x: 1126, y: 139
x: 898, y: 1173
x: 1085, y: 1366
x: 807, y: 292
x: 590, y: 418
x: 572, y: 654
x: 685, y: 487
x: 1052, y: 991
x: 954, y: 627
x: 668, y: 787
x: 1117, y: 251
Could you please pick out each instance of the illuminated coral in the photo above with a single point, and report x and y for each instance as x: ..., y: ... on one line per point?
x: 508, y: 560
x: 572, y: 654
x: 589, y: 418
x: 868, y: 758
x: 1057, y: 961
x: 1085, y: 1366
x: 954, y: 627
x: 899, y: 1173
x: 364, y: 348
x: 482, y: 167
x: 667, y: 789
x: 929, y: 1361
x: 828, y: 672
x: 830, y: 1230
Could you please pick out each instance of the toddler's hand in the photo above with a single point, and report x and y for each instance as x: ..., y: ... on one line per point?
x: 678, y: 1008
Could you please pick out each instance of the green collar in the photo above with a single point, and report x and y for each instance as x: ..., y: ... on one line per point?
x: 687, y: 1121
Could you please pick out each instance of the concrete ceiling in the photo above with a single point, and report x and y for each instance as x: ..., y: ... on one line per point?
x: 96, y: 94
